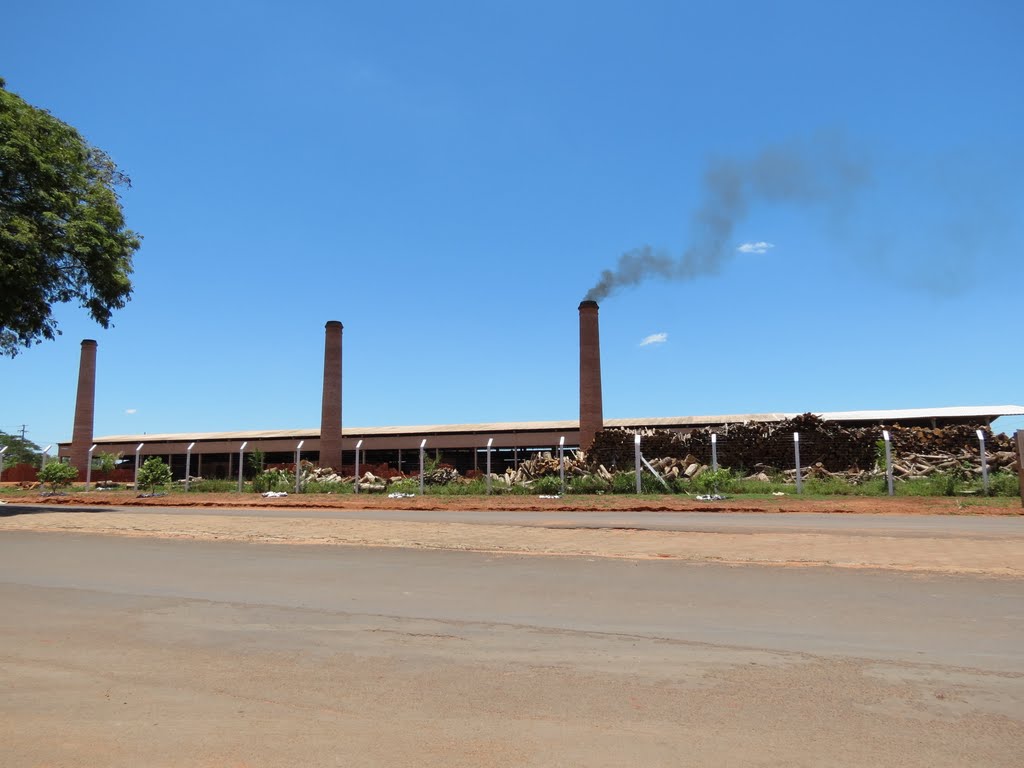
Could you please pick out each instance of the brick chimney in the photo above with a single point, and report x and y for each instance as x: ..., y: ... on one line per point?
x: 85, y: 408
x: 330, y: 412
x: 591, y: 410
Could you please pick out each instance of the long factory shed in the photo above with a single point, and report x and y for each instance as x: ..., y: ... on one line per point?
x: 215, y: 454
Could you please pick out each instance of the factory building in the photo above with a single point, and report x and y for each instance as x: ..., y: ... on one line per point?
x: 464, y: 446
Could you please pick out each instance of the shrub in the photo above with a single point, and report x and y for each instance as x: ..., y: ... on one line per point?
x: 154, y: 473
x: 58, y: 475
x: 273, y: 480
x: 1004, y: 484
x: 547, y: 486
x: 586, y: 484
x: 317, y: 486
x: 105, y: 463
x: 213, y: 486
x: 713, y: 481
x: 625, y: 482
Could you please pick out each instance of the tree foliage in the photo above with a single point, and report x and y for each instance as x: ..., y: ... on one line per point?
x: 105, y: 463
x: 57, y: 475
x: 154, y: 473
x: 62, y: 231
x: 19, y: 450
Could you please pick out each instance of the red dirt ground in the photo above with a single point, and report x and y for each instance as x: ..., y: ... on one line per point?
x: 913, y: 505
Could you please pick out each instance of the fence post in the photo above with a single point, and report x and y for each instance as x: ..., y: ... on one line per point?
x: 241, y: 463
x: 888, y: 461
x: 799, y: 471
x: 984, y: 462
x: 88, y: 468
x: 561, y: 462
x: 490, y: 440
x: 358, y: 446
x: 423, y: 445
x: 46, y: 455
x: 636, y: 451
x: 3, y: 450
x: 188, y: 465
x: 714, y: 452
x: 1020, y: 463
x: 138, y: 449
x: 298, y: 467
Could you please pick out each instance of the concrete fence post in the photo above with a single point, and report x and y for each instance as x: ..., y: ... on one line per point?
x: 796, y: 456
x: 356, y: 484
x: 138, y: 450
x: 888, y: 461
x: 188, y: 466
x: 490, y: 440
x: 1020, y: 463
x: 241, y: 463
x: 88, y: 468
x: 636, y: 451
x: 714, y: 451
x: 423, y: 445
x: 984, y: 462
x: 561, y: 463
x: 298, y: 467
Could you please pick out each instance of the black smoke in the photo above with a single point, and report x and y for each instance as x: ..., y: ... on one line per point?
x: 822, y: 171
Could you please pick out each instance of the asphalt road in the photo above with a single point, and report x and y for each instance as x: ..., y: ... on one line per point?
x: 119, y: 651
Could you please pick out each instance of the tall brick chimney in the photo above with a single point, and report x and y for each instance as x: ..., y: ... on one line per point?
x: 85, y: 407
x: 591, y: 410
x: 330, y: 412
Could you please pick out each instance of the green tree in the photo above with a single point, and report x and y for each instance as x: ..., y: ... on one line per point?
x: 154, y: 473
x: 58, y: 475
x: 62, y: 232
x: 19, y: 450
x: 105, y: 463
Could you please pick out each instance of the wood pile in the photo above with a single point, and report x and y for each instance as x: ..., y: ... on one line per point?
x: 441, y: 476
x: 830, y: 446
x: 542, y: 465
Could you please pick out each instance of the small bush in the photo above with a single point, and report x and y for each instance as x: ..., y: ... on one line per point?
x: 154, y: 474
x: 58, y: 475
x: 586, y: 484
x: 316, y: 486
x: 1004, y: 484
x: 213, y: 486
x: 405, y: 485
x: 547, y: 486
x: 273, y: 480
x: 713, y: 481
x: 473, y: 487
x: 625, y: 482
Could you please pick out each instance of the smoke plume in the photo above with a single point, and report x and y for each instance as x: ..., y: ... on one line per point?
x: 821, y: 171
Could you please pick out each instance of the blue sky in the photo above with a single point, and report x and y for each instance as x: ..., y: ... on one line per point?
x: 450, y: 179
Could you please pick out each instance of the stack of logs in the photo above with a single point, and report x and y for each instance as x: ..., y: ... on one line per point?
x: 835, y: 448
x: 542, y: 465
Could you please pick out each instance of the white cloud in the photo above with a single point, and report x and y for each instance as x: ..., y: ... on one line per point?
x: 131, y: 410
x: 654, y: 338
x: 759, y: 247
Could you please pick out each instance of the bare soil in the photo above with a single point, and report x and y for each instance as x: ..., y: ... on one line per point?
x: 898, y: 505
x: 549, y: 534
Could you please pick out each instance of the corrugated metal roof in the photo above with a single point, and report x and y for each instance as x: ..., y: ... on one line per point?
x: 888, y: 416
x: 953, y: 412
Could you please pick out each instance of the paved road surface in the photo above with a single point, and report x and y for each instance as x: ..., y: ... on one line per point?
x: 121, y: 651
